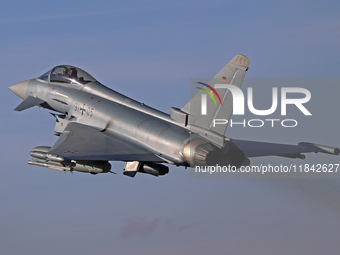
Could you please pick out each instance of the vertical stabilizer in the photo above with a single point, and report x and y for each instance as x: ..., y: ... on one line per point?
x: 218, y: 101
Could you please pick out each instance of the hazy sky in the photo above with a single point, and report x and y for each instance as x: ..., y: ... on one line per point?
x: 149, y: 50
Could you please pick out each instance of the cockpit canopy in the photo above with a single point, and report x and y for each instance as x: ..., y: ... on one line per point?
x: 67, y: 74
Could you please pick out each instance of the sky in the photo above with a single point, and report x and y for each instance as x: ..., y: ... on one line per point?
x: 149, y: 50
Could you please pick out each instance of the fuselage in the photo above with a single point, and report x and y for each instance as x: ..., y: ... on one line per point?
x: 109, y: 111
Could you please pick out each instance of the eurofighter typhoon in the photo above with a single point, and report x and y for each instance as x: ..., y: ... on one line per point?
x: 96, y: 124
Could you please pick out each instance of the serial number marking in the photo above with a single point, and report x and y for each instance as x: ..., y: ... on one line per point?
x: 83, y: 109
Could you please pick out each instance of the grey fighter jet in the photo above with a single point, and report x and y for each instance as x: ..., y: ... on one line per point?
x: 96, y: 124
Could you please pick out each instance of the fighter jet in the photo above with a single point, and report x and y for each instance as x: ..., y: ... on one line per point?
x: 96, y: 124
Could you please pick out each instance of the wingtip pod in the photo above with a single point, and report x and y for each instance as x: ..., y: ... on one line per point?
x: 321, y: 148
x: 240, y: 60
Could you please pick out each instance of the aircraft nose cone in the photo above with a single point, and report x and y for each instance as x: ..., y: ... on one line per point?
x: 20, y: 89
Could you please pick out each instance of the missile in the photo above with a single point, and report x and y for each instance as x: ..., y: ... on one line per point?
x: 322, y: 148
x: 40, y: 157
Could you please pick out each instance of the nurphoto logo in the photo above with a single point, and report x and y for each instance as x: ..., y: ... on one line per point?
x: 239, y: 104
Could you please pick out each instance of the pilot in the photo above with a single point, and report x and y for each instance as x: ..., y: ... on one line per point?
x: 72, y: 73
